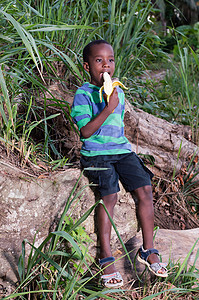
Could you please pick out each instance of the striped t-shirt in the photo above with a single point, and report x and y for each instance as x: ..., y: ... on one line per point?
x: 109, y: 139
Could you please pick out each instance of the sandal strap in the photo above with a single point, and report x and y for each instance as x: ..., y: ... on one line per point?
x: 107, y: 278
x: 156, y: 267
x: 106, y: 260
x: 145, y: 253
x: 115, y: 275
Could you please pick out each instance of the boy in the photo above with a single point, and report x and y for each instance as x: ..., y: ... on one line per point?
x: 104, y: 145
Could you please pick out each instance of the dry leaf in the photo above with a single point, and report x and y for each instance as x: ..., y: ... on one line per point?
x: 183, y: 226
x: 171, y: 286
x: 117, y: 252
x: 191, y: 175
x: 180, y: 180
x: 195, y: 159
x: 43, y: 167
x: 193, y: 209
x: 42, y: 176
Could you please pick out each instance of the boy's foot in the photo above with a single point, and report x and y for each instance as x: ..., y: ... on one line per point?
x: 150, y: 258
x: 111, y: 278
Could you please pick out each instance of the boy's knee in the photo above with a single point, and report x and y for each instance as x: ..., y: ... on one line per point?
x: 147, y: 189
x: 110, y: 199
x: 144, y: 193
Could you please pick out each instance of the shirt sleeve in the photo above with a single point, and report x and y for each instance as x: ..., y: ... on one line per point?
x: 81, y: 112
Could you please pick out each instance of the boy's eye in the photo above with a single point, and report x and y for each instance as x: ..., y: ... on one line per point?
x: 98, y: 60
x: 111, y: 60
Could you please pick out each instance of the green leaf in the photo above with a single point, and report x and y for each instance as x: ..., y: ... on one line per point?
x: 68, y: 237
x: 27, y: 40
x: 48, y: 27
x: 185, y: 262
x: 53, y: 263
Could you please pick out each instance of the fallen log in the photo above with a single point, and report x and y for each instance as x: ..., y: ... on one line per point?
x: 169, y: 144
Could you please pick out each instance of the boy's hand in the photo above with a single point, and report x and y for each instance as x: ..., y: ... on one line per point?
x: 113, y: 100
x: 92, y: 126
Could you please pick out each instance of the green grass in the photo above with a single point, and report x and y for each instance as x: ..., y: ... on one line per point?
x: 39, y: 37
x: 174, y: 97
x: 61, y: 263
x: 41, y: 44
x: 61, y: 267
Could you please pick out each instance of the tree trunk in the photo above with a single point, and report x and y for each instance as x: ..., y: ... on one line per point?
x: 168, y: 143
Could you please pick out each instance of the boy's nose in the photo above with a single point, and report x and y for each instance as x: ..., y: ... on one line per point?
x: 106, y: 64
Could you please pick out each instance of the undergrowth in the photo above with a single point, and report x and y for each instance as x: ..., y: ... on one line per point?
x: 61, y: 267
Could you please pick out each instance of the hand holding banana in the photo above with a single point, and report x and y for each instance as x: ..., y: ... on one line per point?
x: 109, y: 86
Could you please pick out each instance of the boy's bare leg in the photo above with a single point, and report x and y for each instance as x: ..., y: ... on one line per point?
x: 146, y: 217
x: 104, y: 231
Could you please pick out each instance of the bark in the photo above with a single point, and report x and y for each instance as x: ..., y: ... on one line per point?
x: 168, y: 143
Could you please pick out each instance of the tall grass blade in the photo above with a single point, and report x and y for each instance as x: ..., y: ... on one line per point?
x: 26, y: 293
x: 53, y: 263
x: 102, y: 294
x: 196, y: 258
x: 65, y: 58
x: 27, y: 40
x: 113, y: 224
x: 174, y: 170
x: 195, y: 56
x: 73, y: 283
x: 68, y: 237
x: 21, y: 264
x: 84, y: 217
x: 36, y: 123
x: 185, y: 262
x: 34, y: 259
x: 68, y: 202
x: 49, y: 27
x: 170, y: 291
x: 6, y: 99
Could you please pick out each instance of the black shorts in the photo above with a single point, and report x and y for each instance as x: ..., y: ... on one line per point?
x: 128, y: 168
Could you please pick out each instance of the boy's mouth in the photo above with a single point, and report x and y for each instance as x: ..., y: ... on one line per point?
x: 101, y: 74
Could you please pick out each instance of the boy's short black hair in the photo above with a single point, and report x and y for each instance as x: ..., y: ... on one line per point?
x: 87, y: 48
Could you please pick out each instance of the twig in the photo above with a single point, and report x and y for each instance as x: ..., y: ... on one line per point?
x: 14, y: 168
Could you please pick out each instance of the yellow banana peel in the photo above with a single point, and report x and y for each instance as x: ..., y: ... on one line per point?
x: 109, y: 86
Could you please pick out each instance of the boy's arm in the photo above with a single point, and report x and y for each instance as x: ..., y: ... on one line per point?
x: 92, y: 126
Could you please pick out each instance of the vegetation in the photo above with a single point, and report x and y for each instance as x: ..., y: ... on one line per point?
x: 60, y: 268
x: 41, y: 46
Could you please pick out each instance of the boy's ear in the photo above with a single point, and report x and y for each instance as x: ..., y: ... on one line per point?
x: 86, y: 66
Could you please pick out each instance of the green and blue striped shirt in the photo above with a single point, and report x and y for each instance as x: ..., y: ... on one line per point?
x: 109, y: 139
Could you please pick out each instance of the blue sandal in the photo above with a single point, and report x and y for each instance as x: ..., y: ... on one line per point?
x: 155, y: 267
x: 106, y: 278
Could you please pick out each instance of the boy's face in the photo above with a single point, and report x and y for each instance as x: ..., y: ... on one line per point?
x: 101, y: 59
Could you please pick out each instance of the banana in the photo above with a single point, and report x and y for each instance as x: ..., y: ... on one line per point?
x: 109, y: 86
